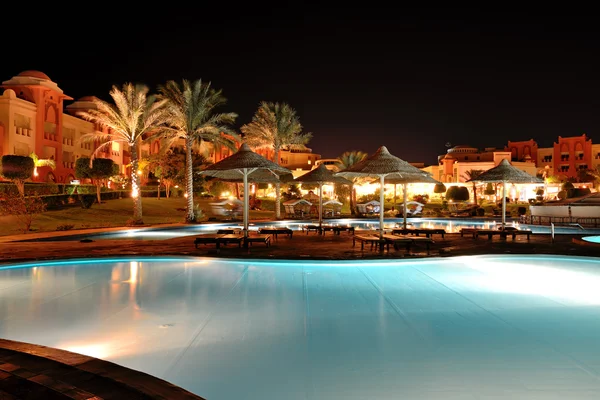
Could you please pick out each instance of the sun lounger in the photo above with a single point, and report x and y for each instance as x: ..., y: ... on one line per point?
x: 407, y: 241
x: 208, y: 238
x: 373, y: 240
x: 309, y: 228
x: 259, y: 238
x: 218, y: 239
x: 428, y: 232
x: 276, y: 231
x: 503, y: 234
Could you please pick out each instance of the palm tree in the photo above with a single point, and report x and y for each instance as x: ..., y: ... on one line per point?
x: 191, y: 117
x: 41, y: 162
x: 345, y: 161
x: 275, y: 126
x: 134, y: 115
x: 473, y: 174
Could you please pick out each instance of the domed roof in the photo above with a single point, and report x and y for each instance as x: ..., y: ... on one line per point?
x: 35, y: 74
x: 448, y: 157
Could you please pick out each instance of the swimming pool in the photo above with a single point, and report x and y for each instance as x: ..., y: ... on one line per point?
x: 461, y: 327
x: 169, y: 232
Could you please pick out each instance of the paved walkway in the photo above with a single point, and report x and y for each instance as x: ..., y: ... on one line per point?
x: 299, y: 246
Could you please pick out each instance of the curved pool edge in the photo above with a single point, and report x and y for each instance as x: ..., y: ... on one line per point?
x: 582, y: 242
x: 50, y: 372
x: 371, y: 262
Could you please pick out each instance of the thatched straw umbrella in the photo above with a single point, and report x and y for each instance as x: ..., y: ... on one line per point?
x: 505, y: 173
x: 320, y: 176
x: 390, y: 168
x: 247, y: 166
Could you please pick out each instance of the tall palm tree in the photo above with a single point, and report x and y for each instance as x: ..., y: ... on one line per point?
x: 345, y: 161
x: 192, y: 117
x: 473, y: 174
x: 134, y: 115
x: 275, y: 126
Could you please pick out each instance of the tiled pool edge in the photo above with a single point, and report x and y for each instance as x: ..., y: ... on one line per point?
x: 31, y: 368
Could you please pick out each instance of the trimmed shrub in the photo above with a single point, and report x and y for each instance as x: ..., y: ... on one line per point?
x: 457, y: 193
x: 577, y: 192
x: 86, y: 200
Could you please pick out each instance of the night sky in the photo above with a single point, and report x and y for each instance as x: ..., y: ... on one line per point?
x: 407, y: 78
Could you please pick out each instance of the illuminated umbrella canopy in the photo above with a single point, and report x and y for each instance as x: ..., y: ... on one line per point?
x: 386, y: 167
x: 247, y: 166
x: 320, y: 176
x: 505, y: 173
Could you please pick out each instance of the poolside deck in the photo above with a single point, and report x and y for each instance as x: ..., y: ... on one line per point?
x: 304, y: 246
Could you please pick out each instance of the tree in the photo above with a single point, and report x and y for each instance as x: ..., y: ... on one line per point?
x: 134, y: 115
x: 167, y: 166
x: 192, y: 117
x: 24, y: 209
x: 345, y: 161
x: 17, y: 169
x: 594, y: 174
x: 457, y: 193
x: 276, y: 127
x: 37, y: 162
x: 439, y: 188
x: 473, y: 174
x: 99, y: 172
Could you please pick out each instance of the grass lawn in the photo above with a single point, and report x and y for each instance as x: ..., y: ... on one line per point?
x: 115, y: 213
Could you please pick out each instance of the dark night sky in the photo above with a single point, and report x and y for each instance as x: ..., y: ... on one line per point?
x: 410, y: 79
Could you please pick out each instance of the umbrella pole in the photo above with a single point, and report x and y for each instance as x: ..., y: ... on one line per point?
x: 381, y: 208
x: 503, y: 204
x: 404, y: 190
x: 320, y: 205
x: 246, y: 205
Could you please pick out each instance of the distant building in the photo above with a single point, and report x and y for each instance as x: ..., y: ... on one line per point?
x: 455, y: 165
x: 32, y: 120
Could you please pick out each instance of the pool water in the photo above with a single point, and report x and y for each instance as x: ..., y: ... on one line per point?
x: 474, y: 327
x: 169, y: 232
x: 591, y: 239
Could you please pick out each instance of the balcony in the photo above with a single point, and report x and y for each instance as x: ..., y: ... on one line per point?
x: 23, y: 131
x: 50, y: 136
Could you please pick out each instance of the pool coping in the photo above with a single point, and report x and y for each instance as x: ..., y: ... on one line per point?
x: 48, y: 372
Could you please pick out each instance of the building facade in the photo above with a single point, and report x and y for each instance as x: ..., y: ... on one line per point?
x: 34, y: 119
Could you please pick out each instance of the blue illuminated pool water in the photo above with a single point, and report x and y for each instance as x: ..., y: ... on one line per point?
x: 478, y: 327
x: 169, y: 232
x: 591, y: 239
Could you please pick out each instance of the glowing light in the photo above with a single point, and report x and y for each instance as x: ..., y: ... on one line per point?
x: 185, y: 195
x: 92, y: 350
x: 579, y: 287
x: 35, y: 173
x: 139, y: 172
x: 225, y: 194
x: 135, y: 192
